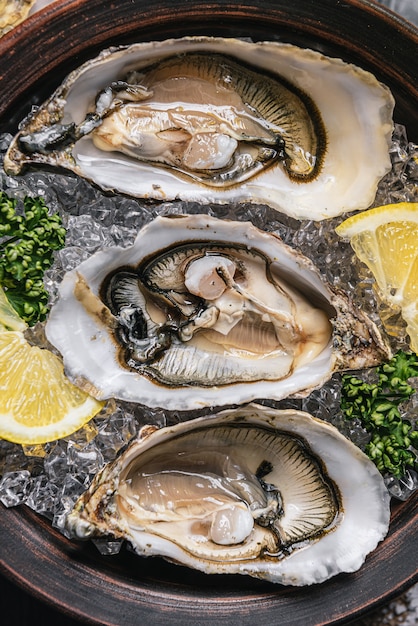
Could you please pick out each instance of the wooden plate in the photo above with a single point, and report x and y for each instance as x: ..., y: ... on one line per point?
x: 124, y: 589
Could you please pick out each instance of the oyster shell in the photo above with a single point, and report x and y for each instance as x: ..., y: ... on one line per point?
x: 278, y: 495
x: 218, y: 120
x: 202, y: 311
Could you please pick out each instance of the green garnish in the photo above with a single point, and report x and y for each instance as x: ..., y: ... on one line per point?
x: 377, y: 408
x: 27, y: 243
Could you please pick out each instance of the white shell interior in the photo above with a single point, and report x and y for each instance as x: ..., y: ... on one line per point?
x: 356, y: 110
x: 361, y: 523
x: 91, y: 355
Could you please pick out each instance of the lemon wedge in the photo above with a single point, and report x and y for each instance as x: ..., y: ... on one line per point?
x: 386, y: 240
x: 9, y: 318
x: 37, y: 402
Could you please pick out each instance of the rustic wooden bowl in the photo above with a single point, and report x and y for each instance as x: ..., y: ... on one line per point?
x: 124, y: 589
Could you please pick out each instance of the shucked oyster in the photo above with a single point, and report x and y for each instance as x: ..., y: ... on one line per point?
x: 232, y: 122
x: 274, y: 494
x: 216, y: 120
x: 202, y: 311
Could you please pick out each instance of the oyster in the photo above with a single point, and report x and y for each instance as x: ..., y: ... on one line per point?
x: 218, y: 120
x: 278, y: 495
x: 202, y: 311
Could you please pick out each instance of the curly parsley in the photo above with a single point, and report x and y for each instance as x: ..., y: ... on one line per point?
x: 393, y: 439
x: 27, y: 244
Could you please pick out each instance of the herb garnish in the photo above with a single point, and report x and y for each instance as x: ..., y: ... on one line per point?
x: 27, y: 243
x: 377, y: 408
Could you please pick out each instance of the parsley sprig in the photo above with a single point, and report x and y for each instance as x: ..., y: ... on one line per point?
x: 27, y: 244
x: 376, y: 405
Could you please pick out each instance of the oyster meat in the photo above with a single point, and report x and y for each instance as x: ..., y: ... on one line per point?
x: 278, y: 495
x: 202, y: 311
x: 218, y: 120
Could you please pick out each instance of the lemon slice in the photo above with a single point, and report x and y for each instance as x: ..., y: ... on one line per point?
x: 386, y: 240
x: 37, y: 402
x: 9, y: 319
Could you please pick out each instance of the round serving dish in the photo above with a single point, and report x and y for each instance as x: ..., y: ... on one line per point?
x: 124, y: 589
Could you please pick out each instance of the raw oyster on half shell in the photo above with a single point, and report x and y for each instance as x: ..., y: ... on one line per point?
x: 218, y: 120
x: 201, y: 311
x: 278, y: 495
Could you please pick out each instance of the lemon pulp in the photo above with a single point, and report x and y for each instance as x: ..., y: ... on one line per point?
x: 386, y: 240
x: 38, y: 403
